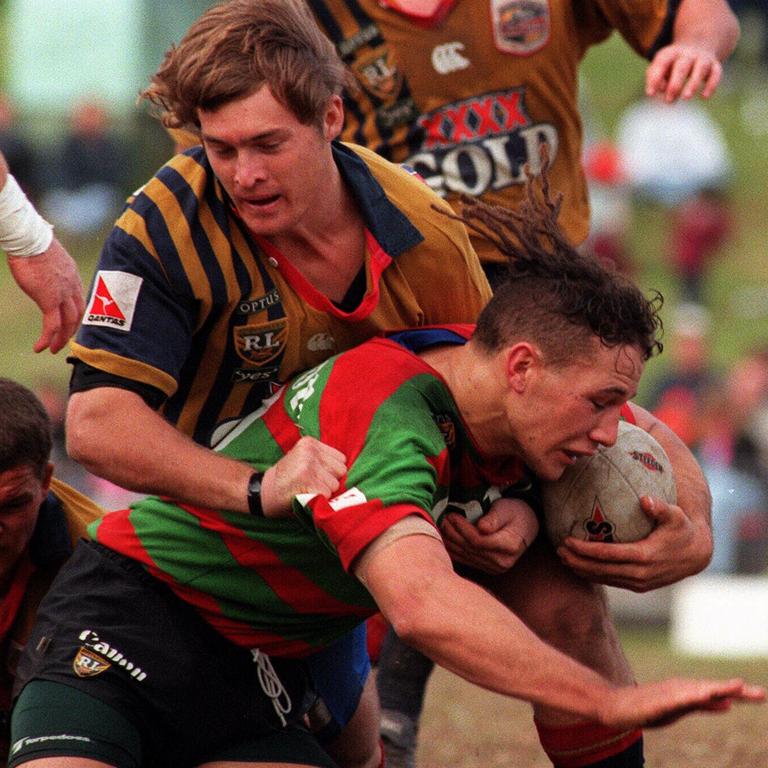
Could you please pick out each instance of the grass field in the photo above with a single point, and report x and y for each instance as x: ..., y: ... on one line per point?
x: 466, y: 727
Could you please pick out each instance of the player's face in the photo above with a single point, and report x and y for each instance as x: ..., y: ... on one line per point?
x: 570, y: 411
x: 21, y: 493
x: 275, y: 169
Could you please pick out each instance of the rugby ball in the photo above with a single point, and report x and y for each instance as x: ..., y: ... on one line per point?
x: 598, y: 497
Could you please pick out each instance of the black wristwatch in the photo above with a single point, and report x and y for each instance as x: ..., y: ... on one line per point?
x: 254, y: 495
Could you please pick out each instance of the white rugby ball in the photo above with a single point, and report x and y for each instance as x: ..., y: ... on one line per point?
x: 598, y: 497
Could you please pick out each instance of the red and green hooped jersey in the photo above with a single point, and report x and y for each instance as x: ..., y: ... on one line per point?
x: 284, y: 585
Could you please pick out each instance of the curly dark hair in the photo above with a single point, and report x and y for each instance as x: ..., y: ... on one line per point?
x: 552, y: 293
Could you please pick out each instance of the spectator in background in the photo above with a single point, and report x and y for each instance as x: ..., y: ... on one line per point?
x: 672, y: 151
x: 16, y: 149
x: 700, y: 227
x: 677, y: 395
x: 734, y: 460
x: 90, y: 179
x: 610, y: 205
x: 42, y: 518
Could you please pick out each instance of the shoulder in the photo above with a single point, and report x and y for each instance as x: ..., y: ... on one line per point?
x: 177, y: 192
x: 78, y: 510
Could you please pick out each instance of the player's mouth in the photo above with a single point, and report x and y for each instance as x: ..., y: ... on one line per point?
x: 573, y: 456
x: 260, y: 204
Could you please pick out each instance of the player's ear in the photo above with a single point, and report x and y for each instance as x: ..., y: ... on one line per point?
x: 333, y: 119
x: 521, y: 360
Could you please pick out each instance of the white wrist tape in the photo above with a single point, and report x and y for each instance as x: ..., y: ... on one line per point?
x: 23, y: 231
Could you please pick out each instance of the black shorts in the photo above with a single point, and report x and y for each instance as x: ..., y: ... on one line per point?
x: 113, y: 632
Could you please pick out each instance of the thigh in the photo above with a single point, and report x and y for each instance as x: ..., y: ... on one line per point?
x: 359, y: 743
x: 339, y: 674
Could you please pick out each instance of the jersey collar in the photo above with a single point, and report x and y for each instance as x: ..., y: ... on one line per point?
x: 391, y: 228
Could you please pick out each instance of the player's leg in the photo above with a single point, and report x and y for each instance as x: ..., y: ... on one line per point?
x: 572, y: 615
x: 345, y: 716
x: 402, y: 675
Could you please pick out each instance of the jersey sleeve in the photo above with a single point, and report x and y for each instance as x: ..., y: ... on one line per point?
x: 646, y: 25
x: 395, y: 451
x: 138, y: 322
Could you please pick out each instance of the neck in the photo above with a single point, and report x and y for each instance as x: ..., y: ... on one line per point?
x: 475, y: 380
x: 328, y: 247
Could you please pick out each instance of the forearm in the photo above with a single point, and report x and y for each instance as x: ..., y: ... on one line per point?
x: 710, y: 24
x: 115, y: 435
x: 462, y: 628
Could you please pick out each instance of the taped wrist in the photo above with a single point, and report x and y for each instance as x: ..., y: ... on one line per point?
x: 23, y: 231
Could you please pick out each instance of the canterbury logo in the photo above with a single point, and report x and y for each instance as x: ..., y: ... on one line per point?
x: 648, y: 460
x: 447, y: 58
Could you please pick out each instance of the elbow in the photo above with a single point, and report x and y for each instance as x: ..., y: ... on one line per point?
x: 411, y: 622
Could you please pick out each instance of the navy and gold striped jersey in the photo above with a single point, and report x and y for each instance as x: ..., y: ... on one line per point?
x: 186, y: 302
x: 468, y: 101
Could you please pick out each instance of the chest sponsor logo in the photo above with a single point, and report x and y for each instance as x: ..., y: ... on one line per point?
x: 481, y: 144
x: 378, y: 73
x: 303, y: 388
x: 447, y: 58
x: 260, y: 344
x: 520, y: 27
x: 113, y: 300
x: 260, y: 304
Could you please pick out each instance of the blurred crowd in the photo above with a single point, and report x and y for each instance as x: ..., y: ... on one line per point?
x: 79, y: 182
x: 675, y: 158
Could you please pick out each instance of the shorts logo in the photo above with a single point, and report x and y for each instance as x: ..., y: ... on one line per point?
x: 89, y: 664
x: 113, y: 300
x: 378, y: 73
x: 520, y: 27
x: 96, y: 656
x: 260, y: 344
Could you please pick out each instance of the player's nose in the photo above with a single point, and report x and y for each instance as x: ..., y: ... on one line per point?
x: 606, y: 431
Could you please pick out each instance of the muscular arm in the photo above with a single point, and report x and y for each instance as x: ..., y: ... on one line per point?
x: 679, y: 546
x: 117, y: 436
x: 464, y: 629
x: 704, y: 35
